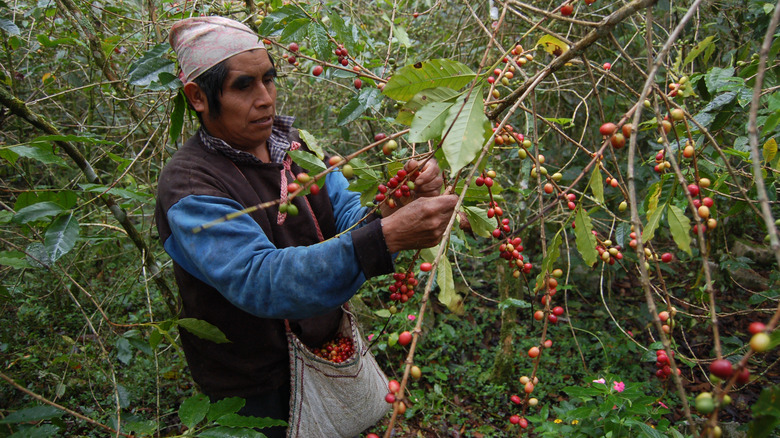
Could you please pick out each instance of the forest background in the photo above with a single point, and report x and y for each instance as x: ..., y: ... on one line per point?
x: 613, y: 271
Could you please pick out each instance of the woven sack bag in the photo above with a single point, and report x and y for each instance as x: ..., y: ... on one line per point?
x: 332, y: 400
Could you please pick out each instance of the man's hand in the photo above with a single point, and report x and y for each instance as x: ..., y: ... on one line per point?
x: 429, y: 181
x: 419, y: 224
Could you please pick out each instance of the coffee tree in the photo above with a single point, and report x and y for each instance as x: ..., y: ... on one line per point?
x: 612, y: 269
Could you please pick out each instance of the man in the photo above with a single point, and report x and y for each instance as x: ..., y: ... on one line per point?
x: 248, y: 274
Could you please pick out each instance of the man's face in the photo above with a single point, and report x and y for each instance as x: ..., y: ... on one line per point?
x: 248, y: 103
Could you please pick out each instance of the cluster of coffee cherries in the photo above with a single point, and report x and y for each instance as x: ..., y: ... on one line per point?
x: 520, y: 59
x: 528, y: 388
x: 555, y: 312
x: 681, y: 88
x: 661, y: 163
x: 616, y: 138
x: 342, y: 55
x: 485, y: 179
x: 396, y: 188
x: 609, y: 253
x: 663, y: 367
x: 570, y: 198
x: 337, y: 350
x: 667, y: 320
x: 507, y: 135
x: 393, y: 396
x: 389, y: 146
x: 510, y: 251
x: 703, y: 205
x: 546, y: 297
x: 403, y: 288
x: 291, y: 58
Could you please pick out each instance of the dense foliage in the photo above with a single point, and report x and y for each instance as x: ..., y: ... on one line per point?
x: 646, y: 252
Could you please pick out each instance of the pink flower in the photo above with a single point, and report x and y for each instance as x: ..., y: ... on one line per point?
x: 619, y: 386
x: 412, y: 317
x: 370, y: 337
x: 602, y: 381
x: 663, y: 405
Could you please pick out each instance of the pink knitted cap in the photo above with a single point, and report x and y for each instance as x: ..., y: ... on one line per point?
x: 203, y: 42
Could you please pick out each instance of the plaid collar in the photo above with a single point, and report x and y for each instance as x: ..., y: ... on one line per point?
x: 278, y: 143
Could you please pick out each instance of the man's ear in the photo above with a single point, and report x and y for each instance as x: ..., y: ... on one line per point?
x: 196, y: 96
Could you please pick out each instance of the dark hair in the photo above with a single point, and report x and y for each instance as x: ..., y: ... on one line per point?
x: 211, y: 82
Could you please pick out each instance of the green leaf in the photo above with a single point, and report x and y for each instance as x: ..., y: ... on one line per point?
x: 412, y: 79
x: 424, y: 97
x: 698, y: 49
x: 42, y: 431
x: 563, y: 121
x: 8, y: 155
x: 193, y: 410
x: 40, y: 152
x: 311, y: 143
x: 649, y: 431
x: 653, y: 219
x: 718, y: 77
x: 623, y: 230
x: 583, y: 233
x: 318, y: 40
x: 447, y: 294
x: 235, y: 420
x: 295, y: 30
x: 428, y: 122
x: 596, y: 184
x: 124, y: 351
x: 513, y: 302
x: 553, y: 252
x: 116, y: 191
x: 229, y: 405
x: 480, y: 223
x: 552, y: 45
x: 766, y: 412
x: 308, y: 161
x: 470, y: 129
x: 402, y: 36
x: 719, y: 101
x: 61, y: 236
x: 230, y: 432
x: 279, y: 19
x: 770, y: 150
x: 365, y: 99
x: 9, y: 27
x: 768, y: 402
x: 763, y: 426
x: 769, y: 125
x: 582, y: 391
x: 37, y: 211
x: 37, y: 255
x: 383, y: 313
x: 36, y: 413
x: 147, y: 69
x: 48, y: 43
x: 14, y: 259
x: 680, y: 227
x: 203, y: 330
x: 177, y: 116
x: 654, y: 194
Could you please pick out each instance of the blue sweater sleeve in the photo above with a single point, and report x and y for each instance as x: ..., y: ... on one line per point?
x: 346, y: 204
x: 237, y: 258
